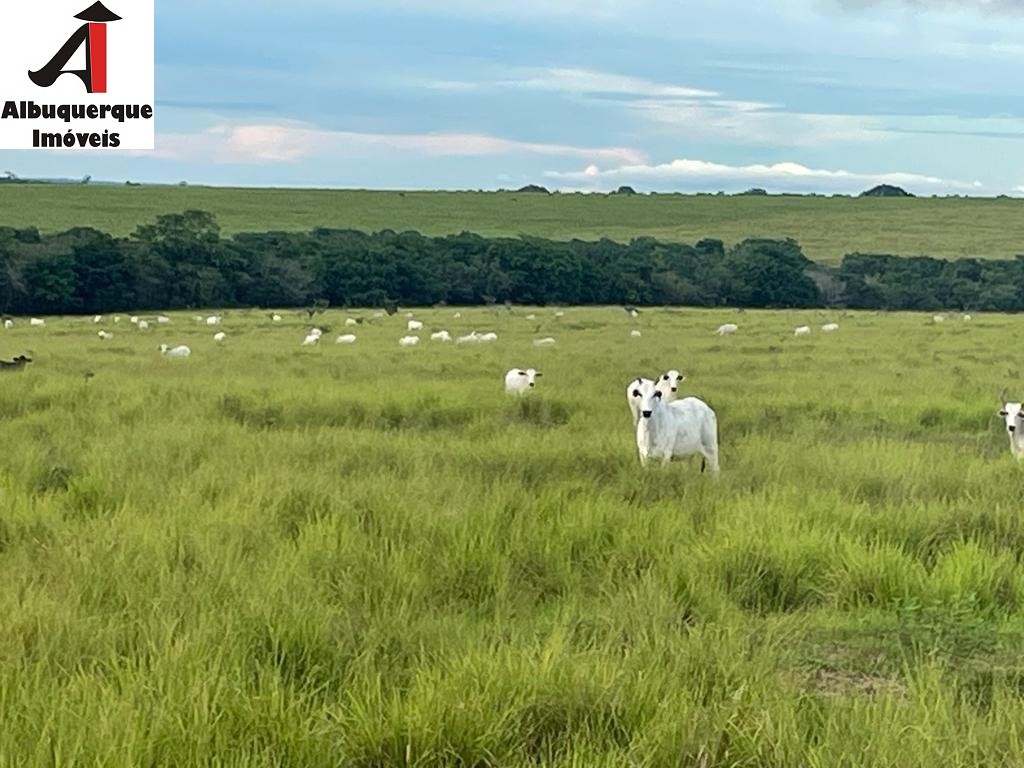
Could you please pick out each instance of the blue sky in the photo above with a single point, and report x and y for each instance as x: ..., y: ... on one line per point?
x: 667, y: 95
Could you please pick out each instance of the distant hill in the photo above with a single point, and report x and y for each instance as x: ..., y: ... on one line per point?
x: 886, y: 190
x: 534, y: 189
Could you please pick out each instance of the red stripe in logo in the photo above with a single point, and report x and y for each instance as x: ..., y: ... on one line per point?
x: 98, y: 57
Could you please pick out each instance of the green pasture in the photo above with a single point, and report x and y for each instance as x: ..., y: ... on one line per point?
x: 367, y: 555
x: 827, y: 228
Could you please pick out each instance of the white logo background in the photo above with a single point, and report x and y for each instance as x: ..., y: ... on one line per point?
x: 35, y: 30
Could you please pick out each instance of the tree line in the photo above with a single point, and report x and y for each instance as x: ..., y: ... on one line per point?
x: 182, y: 261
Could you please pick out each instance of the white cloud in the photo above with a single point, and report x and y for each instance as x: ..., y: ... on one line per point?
x: 292, y: 142
x: 686, y: 111
x: 588, y: 81
x: 700, y: 175
x: 756, y: 123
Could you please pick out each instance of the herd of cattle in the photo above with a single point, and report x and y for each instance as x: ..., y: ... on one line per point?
x: 666, y: 427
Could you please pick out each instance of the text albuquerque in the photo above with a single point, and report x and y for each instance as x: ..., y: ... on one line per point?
x: 29, y: 110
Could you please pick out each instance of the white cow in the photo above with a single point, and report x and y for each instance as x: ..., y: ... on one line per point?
x: 633, y: 390
x: 727, y: 330
x: 803, y: 330
x: 1013, y: 416
x: 35, y: 322
x: 348, y: 338
x: 680, y: 429
x: 220, y: 336
x: 669, y: 384
x: 830, y: 328
x: 414, y: 325
x: 409, y: 341
x: 181, y: 351
x: 519, y: 382
x: 548, y: 342
x: 441, y: 336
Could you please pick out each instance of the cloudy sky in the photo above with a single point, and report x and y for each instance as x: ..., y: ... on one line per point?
x: 687, y: 95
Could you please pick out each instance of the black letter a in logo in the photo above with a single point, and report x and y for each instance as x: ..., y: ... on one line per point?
x: 94, y: 36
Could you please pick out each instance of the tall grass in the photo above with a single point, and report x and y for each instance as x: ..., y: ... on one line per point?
x: 369, y: 556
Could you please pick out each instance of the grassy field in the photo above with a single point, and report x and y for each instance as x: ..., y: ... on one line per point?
x: 369, y: 556
x: 827, y: 228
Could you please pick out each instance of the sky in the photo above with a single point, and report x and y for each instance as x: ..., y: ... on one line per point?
x: 827, y: 96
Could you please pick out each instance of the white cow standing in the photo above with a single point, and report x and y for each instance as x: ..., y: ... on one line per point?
x: 1013, y: 416
x: 680, y: 429
x: 519, y: 381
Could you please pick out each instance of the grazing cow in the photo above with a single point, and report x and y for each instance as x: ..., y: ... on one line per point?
x: 175, y: 352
